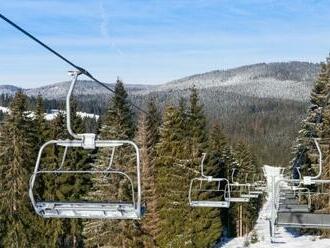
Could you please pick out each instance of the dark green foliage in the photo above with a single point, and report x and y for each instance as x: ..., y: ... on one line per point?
x: 172, y: 181
x: 315, y: 125
x: 117, y: 124
x: 147, y: 138
x: 20, y: 227
x: 63, y: 187
x: 118, y: 121
x: 183, y: 136
x: 170, y: 155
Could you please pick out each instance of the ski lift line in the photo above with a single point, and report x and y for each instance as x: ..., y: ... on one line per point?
x: 276, y: 192
x: 57, y: 54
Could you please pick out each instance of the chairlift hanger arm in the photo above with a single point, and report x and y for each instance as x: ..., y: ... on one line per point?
x: 202, y: 164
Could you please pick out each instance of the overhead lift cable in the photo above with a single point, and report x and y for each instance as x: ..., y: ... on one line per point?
x: 57, y: 54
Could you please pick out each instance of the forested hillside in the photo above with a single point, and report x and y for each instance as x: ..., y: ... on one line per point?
x: 261, y: 104
x: 171, y: 144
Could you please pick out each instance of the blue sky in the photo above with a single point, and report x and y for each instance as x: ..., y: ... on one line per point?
x: 154, y: 41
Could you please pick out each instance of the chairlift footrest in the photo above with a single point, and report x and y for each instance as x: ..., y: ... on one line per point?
x: 239, y: 199
x: 211, y: 204
x: 87, y: 210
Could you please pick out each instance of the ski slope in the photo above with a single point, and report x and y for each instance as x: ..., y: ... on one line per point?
x: 284, y: 238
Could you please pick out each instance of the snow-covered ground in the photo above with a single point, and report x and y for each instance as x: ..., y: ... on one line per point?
x: 284, y: 238
x: 53, y: 113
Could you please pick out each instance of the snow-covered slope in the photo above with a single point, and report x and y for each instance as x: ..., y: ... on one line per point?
x: 284, y: 238
x: 53, y: 113
x: 8, y: 89
x: 289, y: 80
x: 284, y: 80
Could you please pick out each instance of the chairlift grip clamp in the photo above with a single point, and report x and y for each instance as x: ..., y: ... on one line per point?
x: 307, y: 180
x: 88, y: 140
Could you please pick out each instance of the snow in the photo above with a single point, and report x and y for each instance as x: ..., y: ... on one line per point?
x: 284, y: 237
x: 4, y: 109
x: 53, y: 113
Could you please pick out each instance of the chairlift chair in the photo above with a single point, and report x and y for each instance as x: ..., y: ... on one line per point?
x: 299, y: 216
x: 237, y: 189
x: 85, y: 209
x: 222, y: 188
x: 254, y: 185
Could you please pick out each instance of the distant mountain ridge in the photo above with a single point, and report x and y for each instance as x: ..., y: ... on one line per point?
x: 8, y: 89
x: 288, y: 80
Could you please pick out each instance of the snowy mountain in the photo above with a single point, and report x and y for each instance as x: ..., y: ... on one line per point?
x: 289, y: 80
x: 8, y: 89
x: 83, y: 88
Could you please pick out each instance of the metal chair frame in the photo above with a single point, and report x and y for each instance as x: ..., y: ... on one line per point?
x: 209, y: 179
x: 94, y: 210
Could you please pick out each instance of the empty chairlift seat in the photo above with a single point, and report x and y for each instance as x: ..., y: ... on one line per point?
x: 207, y: 191
x: 107, y: 209
x: 237, y: 190
x: 303, y: 220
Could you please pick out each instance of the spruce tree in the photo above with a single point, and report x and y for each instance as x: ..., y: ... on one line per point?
x: 40, y: 122
x: 247, y: 166
x: 204, y: 224
x: 221, y: 162
x: 17, y: 157
x: 65, y: 187
x: 117, y: 124
x: 54, y: 229
x: 196, y: 124
x: 316, y: 125
x: 147, y: 137
x: 181, y: 225
x: 172, y: 181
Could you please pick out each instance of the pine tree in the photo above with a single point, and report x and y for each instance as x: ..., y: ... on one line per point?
x: 75, y: 187
x: 54, y: 229
x: 17, y: 157
x: 147, y: 137
x: 204, y: 224
x: 316, y: 124
x: 221, y: 162
x: 197, y: 124
x: 64, y: 187
x: 181, y: 225
x: 117, y: 124
x: 247, y: 167
x: 40, y: 122
x: 172, y: 181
